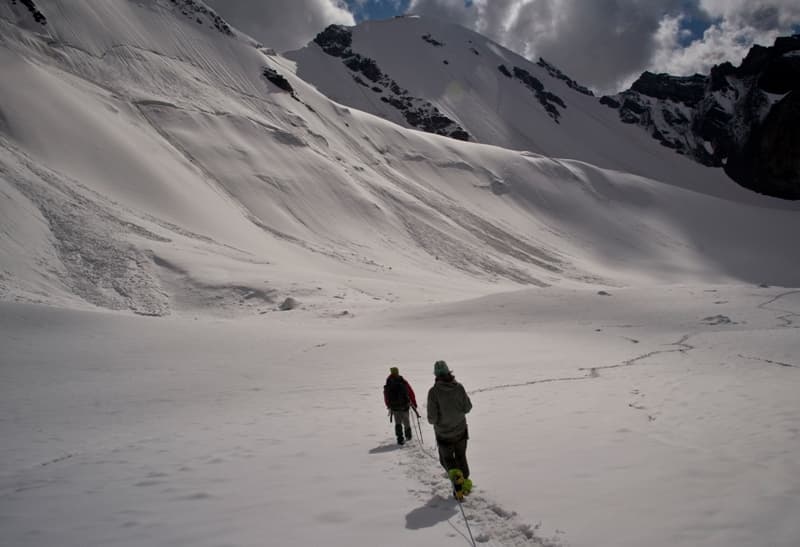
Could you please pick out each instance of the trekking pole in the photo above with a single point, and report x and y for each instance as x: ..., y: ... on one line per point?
x: 419, y: 426
x: 460, y: 506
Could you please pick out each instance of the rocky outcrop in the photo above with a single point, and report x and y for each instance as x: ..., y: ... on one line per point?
x: 278, y: 79
x: 432, y: 41
x: 556, y: 73
x: 547, y: 99
x: 504, y: 71
x: 745, y: 119
x: 769, y: 162
x: 688, y: 90
x: 336, y: 41
x: 202, y: 15
x: 38, y: 16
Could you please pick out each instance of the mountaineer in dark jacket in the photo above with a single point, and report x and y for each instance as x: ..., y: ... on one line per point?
x: 399, y: 397
x: 448, y: 404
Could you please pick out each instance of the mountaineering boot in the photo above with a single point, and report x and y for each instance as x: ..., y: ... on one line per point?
x: 398, y: 431
x: 457, y: 478
x: 408, y: 434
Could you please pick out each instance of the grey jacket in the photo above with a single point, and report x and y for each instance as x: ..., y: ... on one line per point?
x: 448, y: 404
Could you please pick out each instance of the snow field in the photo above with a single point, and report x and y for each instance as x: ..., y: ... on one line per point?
x: 146, y: 167
x: 623, y: 419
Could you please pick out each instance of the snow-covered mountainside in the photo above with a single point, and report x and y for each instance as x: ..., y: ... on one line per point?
x: 745, y: 118
x: 633, y: 313
x: 434, y: 76
x: 445, y: 79
x: 151, y: 154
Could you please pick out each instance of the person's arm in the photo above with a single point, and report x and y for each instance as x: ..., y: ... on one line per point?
x: 411, y: 394
x: 433, y: 408
x: 467, y: 402
x: 385, y: 397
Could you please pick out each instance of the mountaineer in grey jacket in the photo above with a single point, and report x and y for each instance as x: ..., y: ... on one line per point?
x: 448, y: 404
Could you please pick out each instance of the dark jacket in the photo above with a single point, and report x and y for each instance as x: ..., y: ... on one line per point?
x: 448, y: 404
x: 411, y: 399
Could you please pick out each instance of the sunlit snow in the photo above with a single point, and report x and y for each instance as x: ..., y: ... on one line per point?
x: 625, y: 321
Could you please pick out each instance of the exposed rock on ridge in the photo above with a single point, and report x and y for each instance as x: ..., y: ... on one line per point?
x: 336, y: 41
x: 744, y: 119
x: 547, y: 99
x: 556, y: 73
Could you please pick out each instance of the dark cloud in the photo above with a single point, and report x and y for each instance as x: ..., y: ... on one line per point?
x: 601, y: 43
x: 766, y: 17
x: 606, y: 43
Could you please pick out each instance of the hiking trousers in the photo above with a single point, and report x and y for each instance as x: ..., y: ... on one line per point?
x: 453, y: 455
x: 402, y: 423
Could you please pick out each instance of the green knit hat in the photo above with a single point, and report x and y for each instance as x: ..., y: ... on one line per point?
x: 394, y: 370
x: 440, y: 369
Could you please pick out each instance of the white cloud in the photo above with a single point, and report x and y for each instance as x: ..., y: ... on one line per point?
x: 598, y: 42
x: 739, y: 24
x: 759, y: 14
x: 601, y: 43
x: 723, y: 41
x: 607, y: 43
x: 282, y: 25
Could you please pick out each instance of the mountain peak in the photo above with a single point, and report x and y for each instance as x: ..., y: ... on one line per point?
x: 740, y: 118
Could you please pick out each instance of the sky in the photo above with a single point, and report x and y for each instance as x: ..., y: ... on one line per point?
x: 604, y: 44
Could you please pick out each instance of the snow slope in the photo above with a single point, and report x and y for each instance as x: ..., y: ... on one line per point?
x: 162, y: 164
x: 661, y: 416
x: 494, y: 107
x: 625, y: 325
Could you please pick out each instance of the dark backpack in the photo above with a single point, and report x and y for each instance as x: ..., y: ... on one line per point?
x: 396, y: 393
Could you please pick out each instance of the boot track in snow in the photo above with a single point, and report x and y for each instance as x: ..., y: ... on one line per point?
x: 491, y: 524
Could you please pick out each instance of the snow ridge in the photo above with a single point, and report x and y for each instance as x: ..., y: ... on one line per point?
x: 192, y: 9
x: 336, y: 40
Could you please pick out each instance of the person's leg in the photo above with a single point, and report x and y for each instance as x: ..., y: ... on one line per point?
x: 397, y: 416
x: 407, y: 424
x: 446, y: 455
x: 460, y: 457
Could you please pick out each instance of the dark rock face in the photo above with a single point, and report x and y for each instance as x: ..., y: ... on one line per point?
x: 769, y: 162
x: 745, y: 119
x: 547, y: 99
x: 276, y: 78
x: 337, y: 40
x: 432, y: 41
x: 780, y: 72
x: 194, y: 10
x: 365, y: 66
x: 38, y: 16
x: 504, y: 71
x: 608, y: 101
x: 556, y: 73
x: 688, y: 90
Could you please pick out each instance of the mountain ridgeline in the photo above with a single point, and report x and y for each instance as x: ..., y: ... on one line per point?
x: 336, y: 40
x: 445, y: 80
x: 745, y: 119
